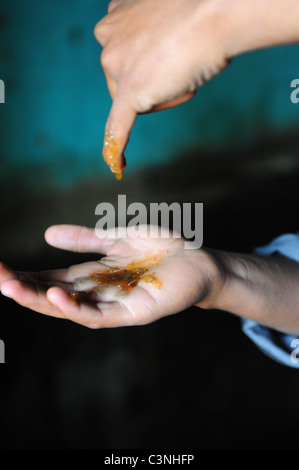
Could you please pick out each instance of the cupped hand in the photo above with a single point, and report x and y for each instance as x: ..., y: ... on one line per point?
x: 155, y: 55
x: 176, y: 278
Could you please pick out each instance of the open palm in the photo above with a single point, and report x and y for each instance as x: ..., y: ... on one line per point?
x: 181, y: 275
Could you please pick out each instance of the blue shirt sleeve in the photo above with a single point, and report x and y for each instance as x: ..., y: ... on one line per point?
x: 279, y: 346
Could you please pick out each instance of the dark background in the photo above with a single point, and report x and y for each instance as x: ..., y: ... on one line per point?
x: 193, y: 380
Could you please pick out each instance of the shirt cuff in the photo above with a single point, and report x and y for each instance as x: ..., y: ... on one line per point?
x: 280, y: 347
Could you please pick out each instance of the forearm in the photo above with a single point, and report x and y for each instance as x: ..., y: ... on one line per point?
x: 264, y: 289
x: 255, y: 24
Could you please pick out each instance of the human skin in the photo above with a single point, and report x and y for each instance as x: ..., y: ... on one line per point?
x: 156, y: 54
x: 261, y: 288
x: 143, y: 76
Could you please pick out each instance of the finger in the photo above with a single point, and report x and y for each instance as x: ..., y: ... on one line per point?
x: 112, y: 87
x: 80, y: 239
x: 54, y: 275
x: 102, y: 315
x: 118, y: 127
x: 35, y: 278
x: 76, y: 277
x: 29, y: 297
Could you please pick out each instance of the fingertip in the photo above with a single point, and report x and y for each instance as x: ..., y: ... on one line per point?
x: 117, y: 132
x: 60, y: 298
x: 51, y: 295
x: 50, y: 233
x: 70, y: 309
x: 60, y: 236
x: 5, y: 290
x: 11, y: 288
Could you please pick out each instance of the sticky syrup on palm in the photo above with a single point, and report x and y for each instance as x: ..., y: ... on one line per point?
x: 126, y: 277
x: 129, y: 276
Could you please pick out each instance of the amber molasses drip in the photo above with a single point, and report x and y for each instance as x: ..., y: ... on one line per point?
x: 112, y: 155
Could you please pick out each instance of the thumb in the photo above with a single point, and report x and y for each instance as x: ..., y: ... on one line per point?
x: 174, y: 102
x: 118, y: 127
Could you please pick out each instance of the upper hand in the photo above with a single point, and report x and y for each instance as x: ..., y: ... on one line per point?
x: 155, y: 55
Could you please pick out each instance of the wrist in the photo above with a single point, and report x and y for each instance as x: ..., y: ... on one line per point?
x: 247, y: 25
x: 227, y: 281
x: 217, y: 277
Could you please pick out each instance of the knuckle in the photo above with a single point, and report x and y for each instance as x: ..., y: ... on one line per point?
x: 96, y: 322
x: 144, y: 102
x: 100, y: 32
x: 109, y: 58
x: 105, y: 59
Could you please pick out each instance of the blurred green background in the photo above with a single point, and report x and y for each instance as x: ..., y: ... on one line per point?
x: 57, y: 102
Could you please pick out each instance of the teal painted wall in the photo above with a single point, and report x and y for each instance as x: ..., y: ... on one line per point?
x: 57, y: 101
